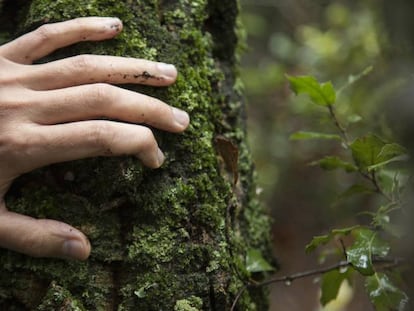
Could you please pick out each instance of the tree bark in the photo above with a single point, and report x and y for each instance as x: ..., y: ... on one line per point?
x: 174, y: 238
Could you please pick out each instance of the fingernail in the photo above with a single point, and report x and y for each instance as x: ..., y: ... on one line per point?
x: 161, y: 157
x: 181, y: 117
x: 73, y: 249
x: 168, y: 70
x: 113, y: 23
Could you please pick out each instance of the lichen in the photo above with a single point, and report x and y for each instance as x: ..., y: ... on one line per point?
x: 156, y: 235
x: 190, y: 304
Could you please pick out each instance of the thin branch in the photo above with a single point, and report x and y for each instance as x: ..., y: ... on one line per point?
x: 383, y: 263
x: 341, y: 129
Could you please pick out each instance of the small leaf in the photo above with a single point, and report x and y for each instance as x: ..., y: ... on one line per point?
x: 355, y: 189
x: 371, y: 152
x: 256, y: 263
x: 390, y: 153
x: 304, y: 135
x: 324, y: 239
x: 322, y: 94
x: 331, y: 163
x: 366, y: 245
x: 331, y: 282
x: 384, y: 294
x: 318, y: 241
x: 365, y: 150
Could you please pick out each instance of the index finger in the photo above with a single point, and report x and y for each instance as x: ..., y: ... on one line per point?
x: 50, y: 37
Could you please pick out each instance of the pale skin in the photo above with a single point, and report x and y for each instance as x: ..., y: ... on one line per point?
x: 53, y: 112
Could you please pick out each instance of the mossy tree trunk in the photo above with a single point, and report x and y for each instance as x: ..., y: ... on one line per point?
x: 175, y: 238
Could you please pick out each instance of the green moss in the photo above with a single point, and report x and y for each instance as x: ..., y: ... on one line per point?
x: 152, y: 245
x: 191, y: 304
x: 58, y: 298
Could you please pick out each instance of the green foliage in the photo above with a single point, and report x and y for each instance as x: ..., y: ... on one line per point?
x: 366, y: 246
x: 370, y: 157
x: 324, y: 239
x: 384, y: 294
x: 370, y: 152
x: 331, y: 282
x: 322, y: 94
x: 256, y: 263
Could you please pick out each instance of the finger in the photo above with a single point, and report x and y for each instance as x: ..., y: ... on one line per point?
x: 50, y: 37
x: 83, y: 69
x: 42, y: 237
x: 71, y: 141
x: 104, y: 100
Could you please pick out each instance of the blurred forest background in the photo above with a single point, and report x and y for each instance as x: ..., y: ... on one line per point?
x: 331, y: 40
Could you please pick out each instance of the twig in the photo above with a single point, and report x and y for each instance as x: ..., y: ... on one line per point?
x: 384, y: 263
x: 341, y: 129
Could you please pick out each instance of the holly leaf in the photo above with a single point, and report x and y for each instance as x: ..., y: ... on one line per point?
x: 256, y: 263
x: 305, y: 135
x: 365, y: 150
x: 370, y: 152
x: 322, y: 94
x: 384, y: 294
x: 332, y: 163
x: 367, y: 245
x: 331, y: 282
x: 388, y: 154
x: 324, y: 239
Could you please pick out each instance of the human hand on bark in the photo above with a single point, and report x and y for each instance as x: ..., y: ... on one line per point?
x: 53, y: 113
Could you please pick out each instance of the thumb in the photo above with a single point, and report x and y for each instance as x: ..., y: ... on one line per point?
x: 41, y: 237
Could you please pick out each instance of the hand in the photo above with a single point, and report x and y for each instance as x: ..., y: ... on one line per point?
x: 51, y: 113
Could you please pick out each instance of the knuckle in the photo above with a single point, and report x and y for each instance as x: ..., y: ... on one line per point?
x: 101, y: 92
x: 11, y: 74
x: 44, y: 32
x: 12, y: 105
x: 83, y: 63
x: 14, y: 143
x: 102, y: 134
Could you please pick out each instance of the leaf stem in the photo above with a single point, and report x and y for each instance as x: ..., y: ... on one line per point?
x: 340, y: 127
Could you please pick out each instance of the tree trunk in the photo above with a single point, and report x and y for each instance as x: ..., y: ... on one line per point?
x: 174, y: 238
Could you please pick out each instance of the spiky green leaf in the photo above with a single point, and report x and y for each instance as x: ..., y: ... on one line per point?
x: 384, y: 294
x: 324, y: 239
x: 322, y: 94
x: 367, y: 244
x: 370, y: 152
